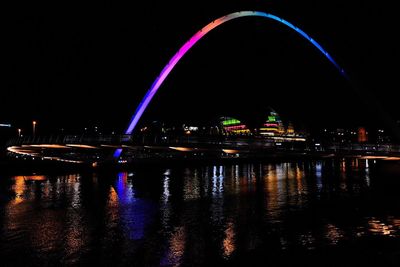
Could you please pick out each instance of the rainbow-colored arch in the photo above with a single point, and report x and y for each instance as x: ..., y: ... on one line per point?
x: 195, y: 38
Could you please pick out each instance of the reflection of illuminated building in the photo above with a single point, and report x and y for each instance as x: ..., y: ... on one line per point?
x: 234, y: 126
x: 177, y: 246
x: 19, y: 189
x: 228, y: 244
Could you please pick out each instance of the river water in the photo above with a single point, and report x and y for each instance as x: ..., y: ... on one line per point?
x: 306, y: 213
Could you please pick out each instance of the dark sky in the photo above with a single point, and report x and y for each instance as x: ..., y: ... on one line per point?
x: 79, y: 66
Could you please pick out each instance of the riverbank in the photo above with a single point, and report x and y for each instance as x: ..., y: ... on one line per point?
x: 26, y: 165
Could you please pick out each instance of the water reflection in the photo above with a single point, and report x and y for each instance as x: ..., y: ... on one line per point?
x: 229, y: 240
x: 218, y: 181
x: 192, y: 216
x: 19, y: 188
x: 367, y: 178
x: 379, y: 227
x: 333, y: 233
x: 177, y: 246
x: 166, y: 194
x: 135, y: 213
x: 125, y: 191
x: 191, y: 180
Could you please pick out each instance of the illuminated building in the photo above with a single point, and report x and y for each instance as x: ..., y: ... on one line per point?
x: 272, y: 126
x: 382, y: 137
x: 290, y: 129
x: 362, y: 135
x: 6, y: 132
x: 234, y: 126
x: 274, y: 129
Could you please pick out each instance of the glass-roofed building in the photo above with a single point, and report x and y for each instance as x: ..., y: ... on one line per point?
x: 232, y: 126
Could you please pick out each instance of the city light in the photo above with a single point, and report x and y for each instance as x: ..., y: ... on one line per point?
x: 33, y: 128
x: 182, y: 149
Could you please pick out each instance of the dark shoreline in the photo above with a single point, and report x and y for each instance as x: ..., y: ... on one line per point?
x: 21, y: 167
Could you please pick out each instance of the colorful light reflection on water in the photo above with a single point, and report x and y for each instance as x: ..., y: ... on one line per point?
x: 199, y: 215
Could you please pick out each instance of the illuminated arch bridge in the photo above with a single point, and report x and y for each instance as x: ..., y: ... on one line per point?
x: 86, y: 149
x: 40, y: 148
x: 195, y: 38
x: 89, y: 149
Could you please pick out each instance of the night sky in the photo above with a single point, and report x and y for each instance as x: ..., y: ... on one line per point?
x: 91, y: 65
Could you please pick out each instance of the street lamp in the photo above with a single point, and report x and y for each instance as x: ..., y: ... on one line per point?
x: 34, y: 127
x: 19, y: 132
